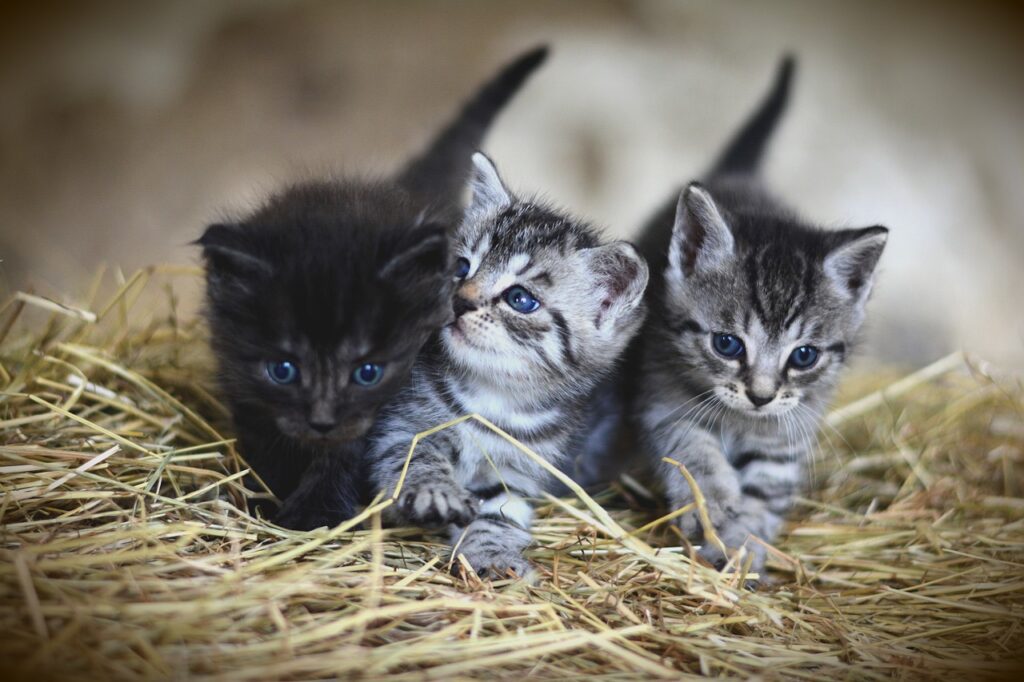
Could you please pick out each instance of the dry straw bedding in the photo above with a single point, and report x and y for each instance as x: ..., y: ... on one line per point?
x: 128, y: 553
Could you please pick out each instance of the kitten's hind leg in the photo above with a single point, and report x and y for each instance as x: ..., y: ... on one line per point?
x: 495, y: 541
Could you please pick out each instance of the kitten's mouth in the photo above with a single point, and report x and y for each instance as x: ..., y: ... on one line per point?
x: 344, y: 432
x: 455, y: 331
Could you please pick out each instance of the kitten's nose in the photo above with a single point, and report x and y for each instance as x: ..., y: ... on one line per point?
x: 759, y: 400
x: 321, y: 426
x: 462, y: 306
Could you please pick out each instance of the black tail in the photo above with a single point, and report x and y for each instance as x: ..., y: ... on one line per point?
x: 743, y: 155
x: 439, y: 174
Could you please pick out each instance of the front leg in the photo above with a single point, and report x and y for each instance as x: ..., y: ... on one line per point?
x: 746, y: 497
x: 430, y: 495
x: 325, y: 496
x: 703, y: 458
x: 496, y: 539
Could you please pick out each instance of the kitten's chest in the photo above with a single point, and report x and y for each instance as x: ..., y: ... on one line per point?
x: 487, y: 458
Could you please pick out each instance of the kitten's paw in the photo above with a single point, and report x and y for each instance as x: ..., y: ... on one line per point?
x: 751, y: 546
x: 499, y: 563
x: 721, y: 514
x: 297, y: 517
x: 495, y: 549
x: 438, y: 504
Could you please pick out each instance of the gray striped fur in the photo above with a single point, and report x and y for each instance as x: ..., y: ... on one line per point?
x: 531, y: 374
x: 733, y: 260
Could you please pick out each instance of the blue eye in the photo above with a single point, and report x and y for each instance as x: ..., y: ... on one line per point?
x: 461, y: 268
x: 727, y: 345
x: 369, y: 374
x: 520, y: 300
x: 803, y: 357
x: 282, y: 372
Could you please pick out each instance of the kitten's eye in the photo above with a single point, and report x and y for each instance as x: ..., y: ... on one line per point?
x: 369, y: 374
x: 727, y: 345
x: 461, y: 268
x: 282, y: 372
x: 803, y: 357
x: 520, y: 300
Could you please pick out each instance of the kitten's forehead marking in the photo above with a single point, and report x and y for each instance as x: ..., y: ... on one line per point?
x: 481, y: 246
x: 779, y: 285
x: 519, y: 263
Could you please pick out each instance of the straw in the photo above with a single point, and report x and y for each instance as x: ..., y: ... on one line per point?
x: 128, y: 551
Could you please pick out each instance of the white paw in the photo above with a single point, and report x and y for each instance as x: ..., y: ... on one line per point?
x: 495, y: 551
x: 438, y: 504
x: 497, y: 563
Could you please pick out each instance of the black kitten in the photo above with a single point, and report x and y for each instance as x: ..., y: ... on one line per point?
x: 319, y: 302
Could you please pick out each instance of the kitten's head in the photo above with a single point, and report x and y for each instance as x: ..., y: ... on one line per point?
x: 319, y: 302
x: 759, y: 308
x: 540, y: 301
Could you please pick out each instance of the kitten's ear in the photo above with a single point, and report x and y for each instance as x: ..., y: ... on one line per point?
x: 489, y: 192
x: 422, y: 254
x: 701, y: 239
x: 228, y: 252
x: 621, y: 275
x: 850, y: 266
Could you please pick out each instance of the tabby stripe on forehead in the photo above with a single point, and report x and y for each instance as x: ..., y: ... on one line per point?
x: 689, y: 325
x: 801, y: 301
x: 565, y: 337
x: 542, y: 277
x: 750, y: 267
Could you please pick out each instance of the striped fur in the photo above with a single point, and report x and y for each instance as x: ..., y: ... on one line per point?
x: 531, y: 373
x: 732, y: 260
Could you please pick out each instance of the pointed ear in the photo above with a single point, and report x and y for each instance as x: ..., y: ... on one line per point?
x: 228, y: 252
x: 489, y: 192
x: 423, y: 253
x: 850, y: 266
x: 701, y: 239
x: 621, y: 275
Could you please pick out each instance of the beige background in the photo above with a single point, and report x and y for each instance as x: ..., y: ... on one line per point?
x: 125, y: 126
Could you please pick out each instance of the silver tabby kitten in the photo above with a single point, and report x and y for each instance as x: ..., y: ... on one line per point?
x: 543, y: 310
x: 753, y: 315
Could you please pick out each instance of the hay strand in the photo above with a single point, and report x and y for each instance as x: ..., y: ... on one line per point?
x: 128, y: 551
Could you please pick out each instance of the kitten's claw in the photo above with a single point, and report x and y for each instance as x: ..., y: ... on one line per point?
x: 501, y: 564
x: 438, y: 504
x: 495, y: 549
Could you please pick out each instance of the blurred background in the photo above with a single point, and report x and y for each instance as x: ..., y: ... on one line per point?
x: 125, y: 127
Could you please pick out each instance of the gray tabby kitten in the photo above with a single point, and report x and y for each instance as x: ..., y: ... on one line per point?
x: 543, y: 310
x: 752, y: 318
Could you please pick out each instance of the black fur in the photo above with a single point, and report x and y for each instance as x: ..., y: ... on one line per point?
x: 328, y: 276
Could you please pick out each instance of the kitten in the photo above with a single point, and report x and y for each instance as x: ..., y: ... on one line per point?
x: 543, y: 311
x: 754, y: 312
x: 320, y: 300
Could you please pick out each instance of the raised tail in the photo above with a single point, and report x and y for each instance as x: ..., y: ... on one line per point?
x: 438, y: 175
x: 743, y: 154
